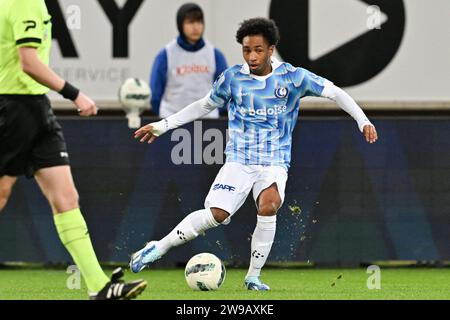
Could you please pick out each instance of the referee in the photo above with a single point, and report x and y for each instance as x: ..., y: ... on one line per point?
x: 32, y: 142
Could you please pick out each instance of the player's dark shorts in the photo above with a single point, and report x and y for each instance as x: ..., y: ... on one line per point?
x: 30, y: 137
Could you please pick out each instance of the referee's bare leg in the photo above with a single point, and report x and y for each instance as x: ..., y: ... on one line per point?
x: 58, y: 187
x: 6, y: 185
x: 56, y: 183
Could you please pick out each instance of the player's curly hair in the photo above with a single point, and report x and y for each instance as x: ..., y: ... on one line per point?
x: 259, y: 26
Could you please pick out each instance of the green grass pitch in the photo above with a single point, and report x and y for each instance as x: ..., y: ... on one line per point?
x: 286, y: 284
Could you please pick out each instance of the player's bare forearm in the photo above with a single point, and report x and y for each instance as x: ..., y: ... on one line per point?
x: 33, y: 66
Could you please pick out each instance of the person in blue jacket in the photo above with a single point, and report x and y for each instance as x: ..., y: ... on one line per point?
x: 184, y: 70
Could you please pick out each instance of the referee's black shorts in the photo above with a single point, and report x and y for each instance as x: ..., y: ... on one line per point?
x: 30, y: 136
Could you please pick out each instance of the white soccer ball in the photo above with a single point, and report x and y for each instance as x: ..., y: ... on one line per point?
x: 134, y: 94
x: 205, y: 272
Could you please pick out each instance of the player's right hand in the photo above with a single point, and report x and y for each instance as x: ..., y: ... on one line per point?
x: 150, y: 131
x: 86, y: 107
x: 370, y: 133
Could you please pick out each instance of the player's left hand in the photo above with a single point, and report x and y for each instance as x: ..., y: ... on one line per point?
x: 370, y: 133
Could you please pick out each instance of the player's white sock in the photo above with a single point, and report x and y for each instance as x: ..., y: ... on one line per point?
x: 261, y: 243
x: 189, y: 228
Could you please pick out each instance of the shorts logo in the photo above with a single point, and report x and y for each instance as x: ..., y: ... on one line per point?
x: 223, y: 187
x: 281, y: 92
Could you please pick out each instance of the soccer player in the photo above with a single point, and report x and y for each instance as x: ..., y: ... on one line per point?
x: 184, y: 70
x: 32, y: 142
x: 264, y: 99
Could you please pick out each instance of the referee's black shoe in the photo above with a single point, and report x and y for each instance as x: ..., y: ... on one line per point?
x: 117, y: 289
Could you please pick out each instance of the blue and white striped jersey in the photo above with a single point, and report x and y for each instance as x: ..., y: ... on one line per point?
x: 263, y: 111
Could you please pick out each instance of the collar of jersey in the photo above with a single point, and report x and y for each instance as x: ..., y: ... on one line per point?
x: 275, y: 64
x: 182, y: 42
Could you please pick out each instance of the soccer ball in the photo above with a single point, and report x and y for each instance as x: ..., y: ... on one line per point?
x: 134, y: 93
x: 205, y: 272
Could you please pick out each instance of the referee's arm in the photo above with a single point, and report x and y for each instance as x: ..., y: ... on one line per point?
x: 33, y: 66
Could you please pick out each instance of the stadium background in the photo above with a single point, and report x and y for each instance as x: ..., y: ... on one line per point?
x: 359, y: 203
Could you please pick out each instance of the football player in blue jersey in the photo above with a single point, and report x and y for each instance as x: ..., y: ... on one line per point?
x: 263, y: 97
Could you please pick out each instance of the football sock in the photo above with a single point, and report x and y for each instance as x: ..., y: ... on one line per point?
x: 189, y: 228
x: 262, y: 240
x: 74, y: 235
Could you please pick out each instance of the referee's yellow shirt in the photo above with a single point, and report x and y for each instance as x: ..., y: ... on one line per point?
x: 23, y: 23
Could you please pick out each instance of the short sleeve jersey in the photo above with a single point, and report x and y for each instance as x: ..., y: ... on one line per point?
x: 23, y: 23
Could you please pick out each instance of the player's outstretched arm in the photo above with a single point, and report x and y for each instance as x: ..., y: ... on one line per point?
x: 192, y: 112
x: 345, y: 102
x: 33, y: 66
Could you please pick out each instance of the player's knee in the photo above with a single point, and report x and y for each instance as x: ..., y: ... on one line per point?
x: 268, y: 209
x: 219, y: 214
